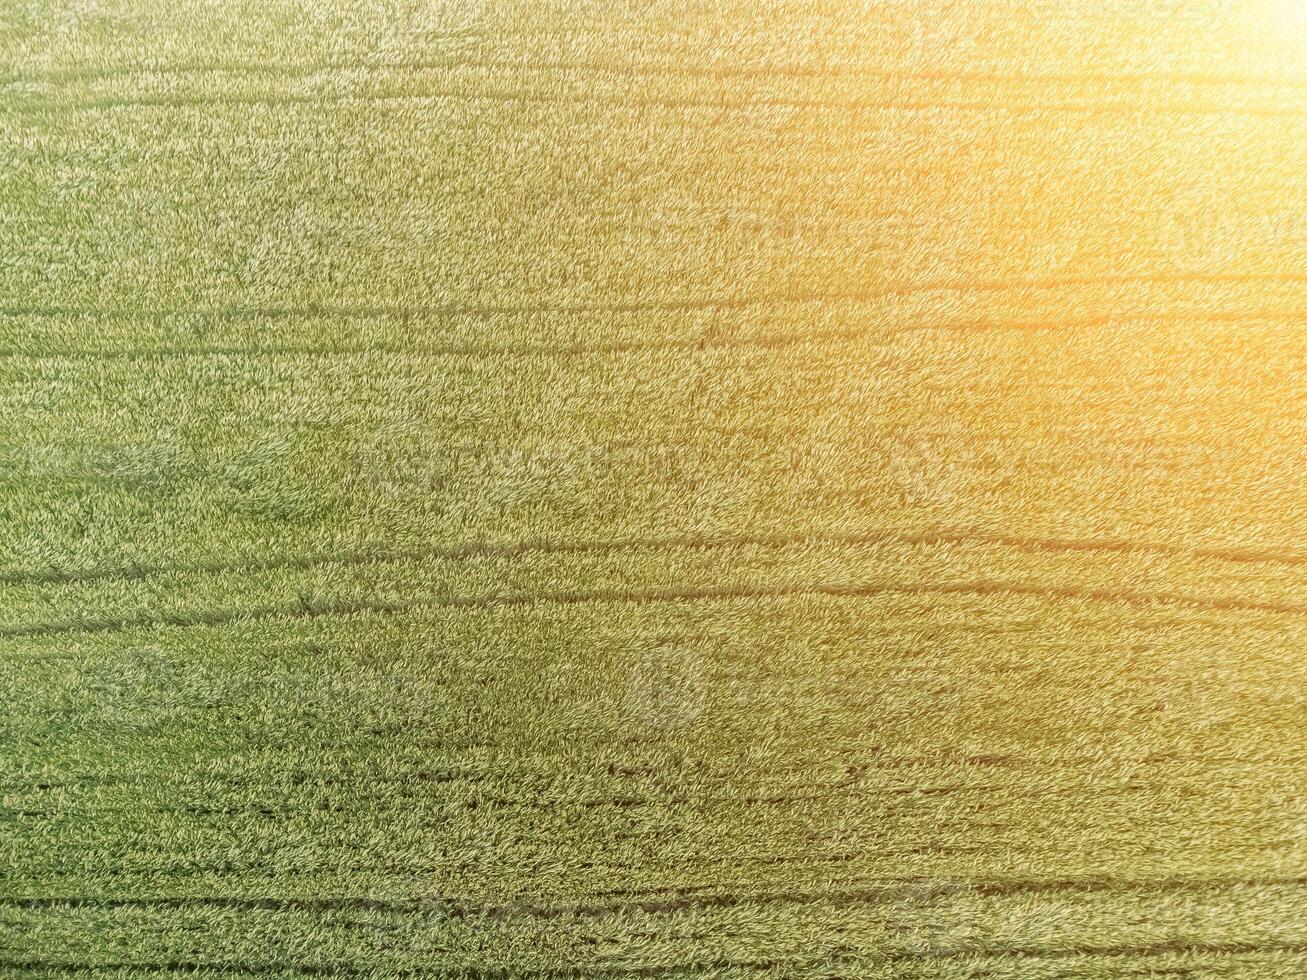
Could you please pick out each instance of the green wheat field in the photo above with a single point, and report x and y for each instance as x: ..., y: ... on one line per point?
x: 652, y: 488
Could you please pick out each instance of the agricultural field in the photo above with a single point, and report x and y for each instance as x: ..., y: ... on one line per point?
x: 653, y: 489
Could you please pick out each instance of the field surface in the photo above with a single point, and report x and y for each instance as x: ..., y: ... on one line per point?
x: 650, y: 489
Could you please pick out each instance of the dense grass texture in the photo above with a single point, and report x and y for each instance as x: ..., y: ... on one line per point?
x: 653, y: 489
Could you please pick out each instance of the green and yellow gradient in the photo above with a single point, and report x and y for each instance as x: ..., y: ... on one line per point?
x: 653, y: 489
